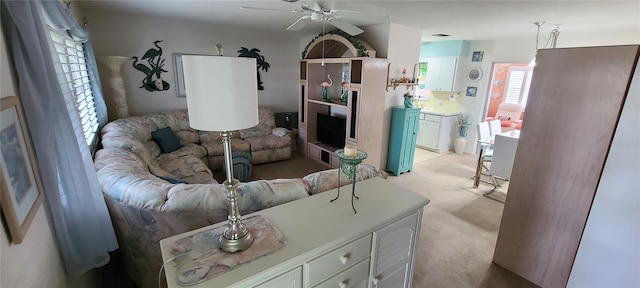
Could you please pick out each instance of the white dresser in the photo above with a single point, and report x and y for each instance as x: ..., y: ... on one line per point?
x: 330, y: 246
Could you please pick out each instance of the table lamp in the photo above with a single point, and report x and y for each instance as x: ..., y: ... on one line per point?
x: 222, y: 95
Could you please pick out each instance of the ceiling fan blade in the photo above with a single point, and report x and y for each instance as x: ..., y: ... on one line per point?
x: 271, y: 9
x: 362, y: 16
x: 300, y: 23
x: 345, y: 26
x: 311, y: 6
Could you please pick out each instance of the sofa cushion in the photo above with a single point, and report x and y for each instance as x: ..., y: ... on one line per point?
x: 216, y: 148
x: 173, y: 180
x: 267, y: 122
x: 214, y: 136
x: 256, y: 131
x: 121, y: 140
x: 262, y: 194
x: 184, y: 165
x: 166, y: 139
x: 268, y: 142
x: 188, y: 136
x: 270, y: 155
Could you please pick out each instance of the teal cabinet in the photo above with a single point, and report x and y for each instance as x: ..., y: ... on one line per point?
x: 402, y: 139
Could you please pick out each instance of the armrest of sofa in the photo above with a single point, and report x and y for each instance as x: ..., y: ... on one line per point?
x: 328, y: 179
x: 252, y: 196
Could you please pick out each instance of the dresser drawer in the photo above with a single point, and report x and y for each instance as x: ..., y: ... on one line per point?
x: 354, y: 277
x: 338, y: 259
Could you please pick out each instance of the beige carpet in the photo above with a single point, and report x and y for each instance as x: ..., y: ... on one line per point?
x: 459, y: 226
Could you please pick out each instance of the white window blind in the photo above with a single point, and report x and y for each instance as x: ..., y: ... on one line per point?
x: 74, y: 69
x: 518, y: 83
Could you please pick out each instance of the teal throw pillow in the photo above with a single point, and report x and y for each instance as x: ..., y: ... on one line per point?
x: 166, y: 139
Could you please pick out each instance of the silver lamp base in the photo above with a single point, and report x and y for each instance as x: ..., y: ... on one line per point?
x: 235, y: 245
x: 235, y: 237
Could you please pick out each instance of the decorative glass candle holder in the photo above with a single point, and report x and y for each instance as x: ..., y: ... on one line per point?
x: 348, y: 166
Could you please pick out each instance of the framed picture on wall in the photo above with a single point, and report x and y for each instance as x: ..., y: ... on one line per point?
x: 477, y: 56
x: 471, y: 91
x: 179, y: 75
x: 21, y: 189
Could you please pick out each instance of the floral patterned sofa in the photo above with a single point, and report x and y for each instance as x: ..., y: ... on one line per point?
x: 148, y: 201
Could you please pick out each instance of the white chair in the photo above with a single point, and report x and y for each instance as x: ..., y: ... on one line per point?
x: 503, y: 156
x: 484, y: 135
x: 486, y: 154
x: 495, y: 127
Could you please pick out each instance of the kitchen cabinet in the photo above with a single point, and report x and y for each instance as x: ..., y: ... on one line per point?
x: 394, y: 250
x: 402, y: 139
x: 441, y: 73
x: 435, y: 131
x: 328, y: 245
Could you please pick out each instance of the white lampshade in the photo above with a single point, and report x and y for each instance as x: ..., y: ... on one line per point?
x: 222, y: 92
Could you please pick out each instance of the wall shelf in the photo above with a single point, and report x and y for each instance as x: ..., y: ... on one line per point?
x: 394, y: 85
x: 392, y: 82
x: 336, y: 102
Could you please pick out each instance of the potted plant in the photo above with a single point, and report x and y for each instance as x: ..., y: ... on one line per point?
x: 463, y: 125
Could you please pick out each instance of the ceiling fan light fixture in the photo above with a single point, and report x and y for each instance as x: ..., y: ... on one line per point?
x: 316, y: 13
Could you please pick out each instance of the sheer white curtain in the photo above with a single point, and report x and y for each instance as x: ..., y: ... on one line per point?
x: 73, y: 197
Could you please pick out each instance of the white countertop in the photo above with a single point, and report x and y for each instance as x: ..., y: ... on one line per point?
x: 423, y: 110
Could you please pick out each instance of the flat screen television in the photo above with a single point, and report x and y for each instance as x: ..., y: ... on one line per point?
x: 331, y: 130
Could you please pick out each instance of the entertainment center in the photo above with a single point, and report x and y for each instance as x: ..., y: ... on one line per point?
x: 322, y: 121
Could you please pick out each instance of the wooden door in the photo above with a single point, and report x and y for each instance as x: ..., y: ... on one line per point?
x: 573, y: 108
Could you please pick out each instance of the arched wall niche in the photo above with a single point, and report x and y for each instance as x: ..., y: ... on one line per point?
x: 336, y: 46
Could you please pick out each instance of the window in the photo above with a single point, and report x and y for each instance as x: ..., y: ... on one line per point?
x: 518, y: 83
x: 74, y: 74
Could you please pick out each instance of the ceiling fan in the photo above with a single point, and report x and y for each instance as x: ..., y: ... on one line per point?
x: 336, y: 17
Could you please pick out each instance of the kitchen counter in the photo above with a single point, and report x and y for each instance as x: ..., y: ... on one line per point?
x: 428, y: 111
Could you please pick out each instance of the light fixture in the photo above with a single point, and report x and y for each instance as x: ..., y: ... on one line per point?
x: 222, y: 95
x: 537, y: 23
x: 553, y: 38
x: 323, y: 32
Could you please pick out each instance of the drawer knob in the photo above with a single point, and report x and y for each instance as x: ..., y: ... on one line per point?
x: 344, y: 259
x: 375, y: 281
x: 343, y: 284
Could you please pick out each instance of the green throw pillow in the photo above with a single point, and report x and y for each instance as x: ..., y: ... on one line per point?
x: 166, y: 139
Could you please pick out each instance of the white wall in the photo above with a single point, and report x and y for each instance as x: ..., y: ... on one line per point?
x: 403, y: 52
x: 117, y: 34
x: 35, y: 262
x: 401, y: 46
x: 609, y: 252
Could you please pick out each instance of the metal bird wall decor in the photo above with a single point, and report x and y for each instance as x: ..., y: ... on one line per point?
x: 154, y: 58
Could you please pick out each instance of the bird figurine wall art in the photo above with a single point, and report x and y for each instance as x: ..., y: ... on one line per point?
x: 156, y: 62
